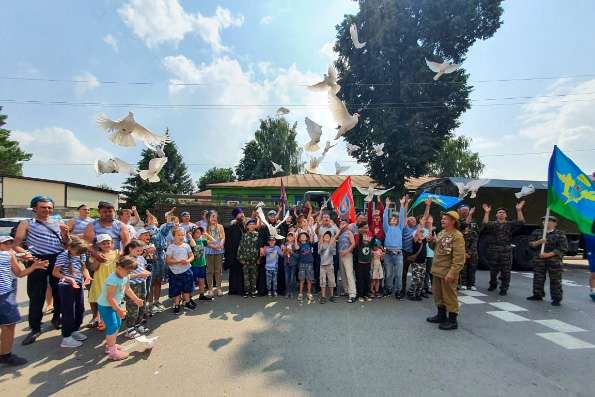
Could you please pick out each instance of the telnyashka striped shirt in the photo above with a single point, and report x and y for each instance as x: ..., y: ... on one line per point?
x: 80, y: 225
x: 41, y: 241
x: 8, y: 282
x: 113, y: 230
x: 67, y: 262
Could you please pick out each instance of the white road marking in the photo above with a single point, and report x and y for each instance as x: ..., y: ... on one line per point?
x: 509, y: 317
x: 509, y: 307
x: 560, y: 326
x: 472, y: 293
x: 469, y: 300
x: 566, y: 341
x: 568, y: 283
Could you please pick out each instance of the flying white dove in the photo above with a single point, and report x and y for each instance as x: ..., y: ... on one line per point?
x: 273, y: 230
x: 378, y: 149
x: 157, y: 149
x: 315, y: 132
x: 148, y: 342
x: 371, y: 191
x: 282, y: 111
x: 277, y: 168
x: 525, y: 191
x: 328, y: 147
x: 329, y: 82
x: 342, y: 117
x: 351, y: 148
x: 471, y: 187
x: 124, y: 131
x: 354, y: 38
x: 155, y: 166
x: 339, y: 169
x: 441, y: 68
x: 313, y: 164
x: 113, y: 166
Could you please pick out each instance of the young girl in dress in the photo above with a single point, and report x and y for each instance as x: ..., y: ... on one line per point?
x: 377, y: 272
x: 102, y: 270
x: 134, y: 313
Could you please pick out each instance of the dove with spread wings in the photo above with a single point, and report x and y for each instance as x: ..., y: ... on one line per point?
x: 314, y: 132
x: 328, y: 147
x: 371, y: 191
x: 342, y: 117
x: 113, y: 165
x: 354, y: 37
x: 155, y: 166
x: 329, y: 82
x: 470, y: 187
x: 124, y: 131
x: 273, y: 230
x: 442, y: 68
x: 276, y: 168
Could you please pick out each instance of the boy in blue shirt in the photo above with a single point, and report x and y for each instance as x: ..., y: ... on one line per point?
x: 272, y: 253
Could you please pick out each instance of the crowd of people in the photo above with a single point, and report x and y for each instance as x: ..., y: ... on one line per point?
x: 308, y: 252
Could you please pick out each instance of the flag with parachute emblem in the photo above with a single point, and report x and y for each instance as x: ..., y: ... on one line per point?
x: 283, y: 198
x: 571, y: 193
x: 342, y: 200
x: 445, y: 202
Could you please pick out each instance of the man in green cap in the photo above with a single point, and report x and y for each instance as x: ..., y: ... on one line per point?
x: 548, y: 261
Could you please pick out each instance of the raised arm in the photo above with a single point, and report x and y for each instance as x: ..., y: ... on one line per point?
x: 385, y: 215
x: 519, y: 211
x: 402, y: 212
x: 486, y: 213
x: 426, y: 215
x: 369, y: 214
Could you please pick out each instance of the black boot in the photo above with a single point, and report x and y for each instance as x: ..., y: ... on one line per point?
x: 438, y: 318
x: 449, y: 324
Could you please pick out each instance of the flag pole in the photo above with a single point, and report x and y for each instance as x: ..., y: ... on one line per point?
x: 545, y: 222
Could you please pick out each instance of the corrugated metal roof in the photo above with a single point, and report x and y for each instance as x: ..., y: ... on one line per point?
x: 314, y: 181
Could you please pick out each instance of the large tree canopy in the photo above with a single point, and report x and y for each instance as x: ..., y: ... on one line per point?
x: 174, y: 179
x: 215, y: 175
x: 456, y: 159
x: 274, y: 140
x: 390, y: 85
x: 11, y: 155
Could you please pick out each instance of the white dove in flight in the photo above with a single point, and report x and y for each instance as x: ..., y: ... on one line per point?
x: 315, y: 132
x: 371, y: 191
x: 378, y: 149
x: 277, y: 168
x: 339, y: 169
x: 441, y: 68
x: 313, y: 164
x: 157, y: 149
x: 351, y: 148
x: 155, y: 166
x: 354, y: 38
x: 273, y: 230
x: 124, y: 131
x: 525, y: 191
x: 329, y: 82
x: 328, y: 147
x: 282, y: 111
x: 342, y: 117
x: 471, y: 187
x: 113, y: 165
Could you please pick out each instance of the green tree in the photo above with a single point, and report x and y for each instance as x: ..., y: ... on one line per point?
x: 390, y: 85
x: 274, y: 140
x: 104, y: 186
x: 11, y: 155
x: 456, y: 159
x: 215, y: 175
x: 174, y: 179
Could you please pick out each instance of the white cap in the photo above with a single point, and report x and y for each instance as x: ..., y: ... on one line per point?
x: 4, y: 239
x: 103, y: 237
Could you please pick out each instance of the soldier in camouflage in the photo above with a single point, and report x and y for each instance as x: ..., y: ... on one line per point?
x: 499, y: 246
x: 548, y: 262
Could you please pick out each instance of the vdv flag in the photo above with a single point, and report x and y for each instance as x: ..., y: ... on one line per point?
x: 445, y: 202
x: 342, y: 200
x: 571, y: 193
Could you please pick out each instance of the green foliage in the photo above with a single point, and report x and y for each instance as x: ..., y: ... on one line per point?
x: 174, y: 176
x: 409, y: 112
x: 215, y: 175
x: 457, y: 159
x: 104, y: 186
x: 11, y: 155
x: 274, y: 140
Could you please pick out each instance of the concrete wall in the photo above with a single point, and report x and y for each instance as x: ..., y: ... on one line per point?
x: 77, y: 196
x: 18, y: 192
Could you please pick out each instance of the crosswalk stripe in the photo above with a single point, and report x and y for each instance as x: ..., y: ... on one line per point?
x: 566, y: 341
x: 560, y: 326
x: 470, y: 300
x: 509, y: 307
x: 507, y: 316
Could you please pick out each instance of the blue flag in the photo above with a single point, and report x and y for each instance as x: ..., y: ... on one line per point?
x: 445, y: 202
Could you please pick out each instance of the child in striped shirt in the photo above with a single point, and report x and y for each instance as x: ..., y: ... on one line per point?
x: 135, y: 313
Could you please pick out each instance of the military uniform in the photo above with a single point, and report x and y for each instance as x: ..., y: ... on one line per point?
x: 471, y: 236
x: 558, y: 244
x: 500, y: 251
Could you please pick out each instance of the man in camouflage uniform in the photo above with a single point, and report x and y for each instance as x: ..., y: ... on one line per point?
x: 499, y: 247
x: 471, y: 235
x: 249, y: 257
x: 548, y: 262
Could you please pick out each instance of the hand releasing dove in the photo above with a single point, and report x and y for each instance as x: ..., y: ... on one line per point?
x: 351, y: 148
x: 313, y: 164
x: 315, y: 132
x: 371, y: 191
x: 339, y: 169
x: 378, y: 149
x: 328, y: 147
x: 525, y: 191
x: 282, y: 111
x: 329, y: 82
x: 155, y: 166
x: 471, y: 187
x: 113, y: 166
x: 354, y: 38
x: 277, y: 168
x: 157, y: 149
x: 339, y: 111
x: 273, y: 230
x: 124, y: 131
x: 441, y: 68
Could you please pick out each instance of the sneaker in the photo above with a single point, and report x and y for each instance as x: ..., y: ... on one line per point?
x: 131, y: 333
x: 119, y: 347
x: 322, y: 300
x: 70, y: 342
x: 193, y: 303
x: 300, y: 297
x: 176, y: 309
x: 401, y: 296
x: 30, y: 338
x: 188, y: 305
x: 12, y: 360
x: 332, y: 299
x: 473, y: 288
x: 116, y: 354
x: 246, y: 295
x: 274, y: 294
x: 254, y: 294
x: 351, y: 300
x: 310, y: 297
x: 203, y: 297
x: 78, y: 335
x: 270, y: 294
x: 142, y: 329
x: 160, y: 307
x: 367, y: 298
x: 534, y: 298
x: 155, y: 310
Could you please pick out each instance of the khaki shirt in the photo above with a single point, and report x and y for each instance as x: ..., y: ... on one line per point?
x: 449, y: 253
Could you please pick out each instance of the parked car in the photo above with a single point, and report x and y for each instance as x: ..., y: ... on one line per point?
x: 8, y: 224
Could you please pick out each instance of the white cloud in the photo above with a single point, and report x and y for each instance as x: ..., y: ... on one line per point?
x: 111, y: 41
x: 88, y: 82
x: 267, y: 19
x: 327, y: 51
x: 161, y: 21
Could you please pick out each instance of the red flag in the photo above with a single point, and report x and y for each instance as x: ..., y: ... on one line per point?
x: 283, y: 198
x: 342, y: 200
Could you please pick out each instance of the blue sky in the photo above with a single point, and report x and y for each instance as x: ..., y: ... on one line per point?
x: 264, y: 52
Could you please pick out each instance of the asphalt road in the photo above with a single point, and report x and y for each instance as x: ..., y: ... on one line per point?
x: 256, y: 347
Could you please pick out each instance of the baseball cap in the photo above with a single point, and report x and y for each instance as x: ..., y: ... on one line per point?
x: 4, y: 239
x: 501, y: 209
x: 251, y: 222
x: 453, y: 214
x: 104, y: 204
x: 272, y: 212
x: 142, y: 231
x: 184, y: 213
x: 272, y: 238
x: 103, y: 237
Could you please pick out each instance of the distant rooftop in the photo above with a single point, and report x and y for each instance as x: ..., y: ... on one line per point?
x: 500, y: 183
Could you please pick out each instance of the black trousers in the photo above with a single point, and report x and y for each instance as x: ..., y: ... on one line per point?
x: 362, y: 279
x: 72, y: 303
x: 37, y: 283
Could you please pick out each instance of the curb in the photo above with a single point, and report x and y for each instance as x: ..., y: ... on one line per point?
x: 576, y: 266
